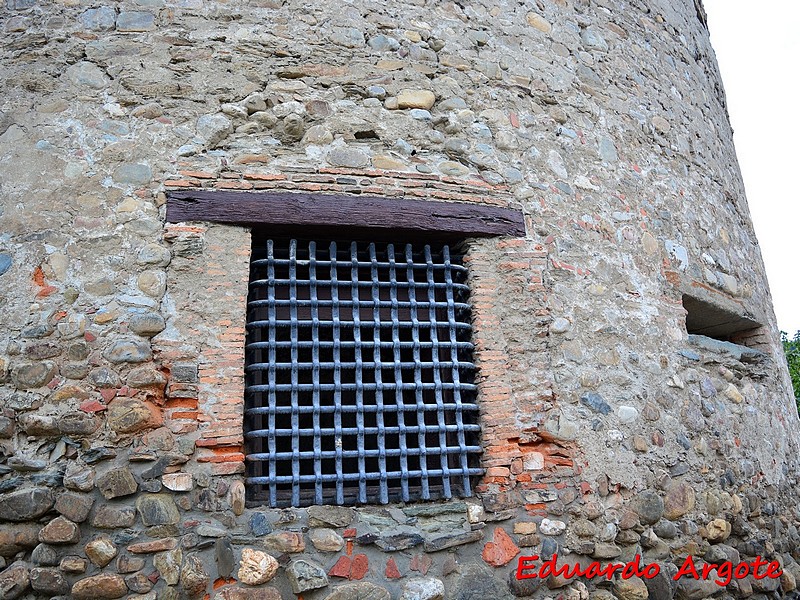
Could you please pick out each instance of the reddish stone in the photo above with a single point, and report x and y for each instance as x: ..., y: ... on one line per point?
x: 501, y: 550
x: 350, y: 533
x: 514, y: 119
x: 421, y: 563
x: 89, y: 336
x: 46, y: 291
x: 341, y: 568
x: 108, y: 394
x: 359, y: 567
x: 392, y: 572
x: 154, y: 546
x: 93, y: 406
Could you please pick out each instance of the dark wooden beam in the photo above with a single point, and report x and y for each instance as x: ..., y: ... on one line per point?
x: 289, y: 209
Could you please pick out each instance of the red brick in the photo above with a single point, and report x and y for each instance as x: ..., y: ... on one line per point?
x: 421, y: 563
x: 359, y: 566
x: 392, y: 572
x: 197, y: 174
x: 501, y: 550
x: 341, y: 568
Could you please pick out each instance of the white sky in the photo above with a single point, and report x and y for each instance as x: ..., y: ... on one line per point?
x: 758, y: 50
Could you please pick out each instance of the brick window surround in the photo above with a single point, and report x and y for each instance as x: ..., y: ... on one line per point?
x: 195, y: 214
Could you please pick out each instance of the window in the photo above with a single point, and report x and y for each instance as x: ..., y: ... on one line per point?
x: 711, y: 320
x: 359, y: 383
x: 359, y: 376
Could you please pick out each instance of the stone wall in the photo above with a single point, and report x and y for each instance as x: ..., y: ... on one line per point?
x: 608, y: 431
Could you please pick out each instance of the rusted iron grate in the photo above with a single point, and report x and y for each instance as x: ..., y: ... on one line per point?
x: 359, y: 374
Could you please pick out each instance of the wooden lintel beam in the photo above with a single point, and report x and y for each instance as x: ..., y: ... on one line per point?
x: 330, y: 210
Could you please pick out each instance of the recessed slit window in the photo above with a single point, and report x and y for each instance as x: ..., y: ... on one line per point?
x: 710, y: 320
x: 360, y: 385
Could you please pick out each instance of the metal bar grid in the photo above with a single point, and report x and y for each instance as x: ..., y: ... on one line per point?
x: 359, y: 374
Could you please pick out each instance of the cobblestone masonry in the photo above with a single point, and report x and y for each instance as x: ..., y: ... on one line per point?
x: 607, y: 430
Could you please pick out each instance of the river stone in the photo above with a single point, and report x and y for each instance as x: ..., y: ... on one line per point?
x: 116, y: 483
x: 145, y: 377
x: 132, y: 173
x: 14, y: 581
x: 423, y: 588
x: 79, y: 477
x: 689, y: 588
x: 768, y: 586
x: 128, y: 415
x: 39, y: 425
x: 347, y: 157
x: 5, y: 262
x: 330, y: 516
x: 78, y: 424
x: 194, y: 578
x: 477, y: 583
x: 159, y: 545
x: 147, y: 324
x: 326, y: 540
x: 32, y: 375
x: 260, y: 524
x: 87, y: 74
x: 113, y: 517
x: 168, y: 564
x: 256, y: 567
x: 402, y: 540
x: 552, y: 527
x: 101, y: 551
x: 630, y: 589
x: 135, y: 20
x: 318, y: 135
x: 523, y: 587
x: 240, y: 593
x: 649, y: 506
x: 138, y: 583
x: 363, y: 590
x: 596, y: 402
x: 60, y: 531
x: 45, y: 555
x: 157, y: 509
x: 226, y: 560
x: 26, y: 505
x: 129, y: 564
x: 718, y: 530
x: 665, y: 529
x: 152, y: 283
x: 680, y: 499
x: 661, y: 586
x: 305, y: 575
x: 6, y: 424
x: 16, y: 538
x: 49, y: 581
x: 25, y: 464
x: 214, y: 128
x: 423, y: 99
x: 289, y: 542
x: 99, y: 19
x: 100, y: 587
x: 103, y: 378
x: 722, y: 552
x: 128, y: 351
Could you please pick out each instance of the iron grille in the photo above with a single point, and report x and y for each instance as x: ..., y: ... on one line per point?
x: 359, y: 375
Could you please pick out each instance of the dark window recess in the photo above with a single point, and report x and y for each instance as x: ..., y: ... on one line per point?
x: 710, y: 320
x: 359, y: 375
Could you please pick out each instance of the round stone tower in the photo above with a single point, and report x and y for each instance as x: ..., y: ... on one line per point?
x: 543, y: 328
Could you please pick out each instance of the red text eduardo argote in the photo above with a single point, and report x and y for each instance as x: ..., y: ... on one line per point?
x: 722, y: 573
